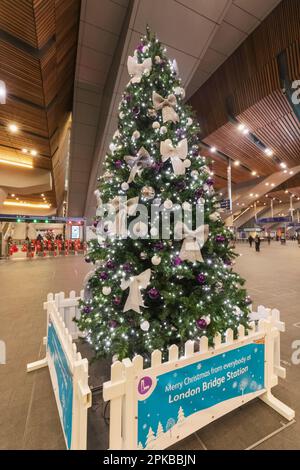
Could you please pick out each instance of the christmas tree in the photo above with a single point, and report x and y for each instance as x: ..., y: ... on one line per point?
x: 150, y: 288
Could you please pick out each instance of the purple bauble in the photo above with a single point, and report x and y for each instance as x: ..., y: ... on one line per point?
x: 112, y: 323
x: 180, y: 133
x: 127, y: 98
x: 157, y: 167
x: 210, y: 181
x: 103, y: 276
x: 227, y: 262
x: 95, y: 223
x: 87, y: 259
x: 117, y: 300
x: 118, y: 164
x: 110, y: 264
x: 220, y: 238
x: 87, y: 309
x: 199, y: 193
x: 201, y: 278
x: 201, y: 323
x: 153, y: 293
x: 136, y: 111
x: 176, y: 261
x: 140, y: 47
x: 248, y: 300
x: 180, y: 185
x: 127, y: 267
x: 159, y: 246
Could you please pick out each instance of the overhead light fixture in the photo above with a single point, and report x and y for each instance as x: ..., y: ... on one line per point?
x: 283, y: 165
x: 236, y: 163
x: 2, y: 92
x: 284, y: 171
x: 24, y: 151
x: 251, y: 194
x: 12, y: 195
x: 286, y: 191
x: 33, y: 153
x: 43, y: 195
x: 254, y: 173
x: 213, y: 149
x: 10, y: 162
x: 267, y: 184
x: 26, y: 204
x: 13, y: 128
x: 268, y: 152
x: 245, y: 131
x: 241, y: 127
x: 291, y: 172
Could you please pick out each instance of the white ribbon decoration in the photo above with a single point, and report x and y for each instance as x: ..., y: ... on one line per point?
x: 167, y: 106
x: 176, y: 154
x: 136, y: 70
x: 135, y: 283
x: 138, y: 163
x: 122, y: 210
x: 193, y: 241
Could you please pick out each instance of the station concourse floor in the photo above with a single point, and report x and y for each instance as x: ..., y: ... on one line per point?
x: 28, y: 414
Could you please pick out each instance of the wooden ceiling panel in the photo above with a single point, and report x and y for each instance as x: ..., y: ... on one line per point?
x: 38, y: 42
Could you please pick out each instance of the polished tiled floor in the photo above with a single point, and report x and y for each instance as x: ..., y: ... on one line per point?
x: 28, y: 416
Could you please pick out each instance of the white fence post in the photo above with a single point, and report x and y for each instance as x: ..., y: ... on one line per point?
x: 114, y: 391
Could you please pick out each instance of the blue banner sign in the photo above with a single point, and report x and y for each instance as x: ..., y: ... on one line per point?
x: 273, y: 220
x: 225, y: 204
x: 63, y: 381
x: 178, y: 397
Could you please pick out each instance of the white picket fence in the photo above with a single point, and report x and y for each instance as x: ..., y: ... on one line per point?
x: 122, y: 389
x: 60, y: 314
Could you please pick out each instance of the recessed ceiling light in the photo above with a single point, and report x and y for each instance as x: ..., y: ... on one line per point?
x: 267, y: 184
x: 12, y: 195
x: 291, y: 173
x: 24, y: 151
x: 13, y: 128
x: 241, y: 127
x: 33, y: 153
x: 254, y: 173
x: 245, y: 131
x: 213, y: 149
x: 283, y: 165
x: 236, y: 163
x: 251, y: 194
x: 268, y: 152
x: 43, y: 195
x: 272, y: 184
x: 286, y: 191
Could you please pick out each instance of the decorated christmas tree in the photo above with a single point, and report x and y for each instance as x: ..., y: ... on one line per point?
x: 158, y: 279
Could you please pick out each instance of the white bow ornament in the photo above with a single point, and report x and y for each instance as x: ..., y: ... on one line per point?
x: 167, y: 106
x: 193, y: 241
x: 176, y: 154
x: 137, y: 70
x: 135, y: 283
x: 122, y: 209
x: 138, y: 163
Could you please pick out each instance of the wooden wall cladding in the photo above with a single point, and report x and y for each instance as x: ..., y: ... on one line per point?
x: 38, y: 44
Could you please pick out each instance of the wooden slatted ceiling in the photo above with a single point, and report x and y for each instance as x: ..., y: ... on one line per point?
x: 38, y: 69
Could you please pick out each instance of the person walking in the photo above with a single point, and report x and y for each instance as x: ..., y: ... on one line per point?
x: 257, y: 243
x: 250, y: 240
x: 269, y: 239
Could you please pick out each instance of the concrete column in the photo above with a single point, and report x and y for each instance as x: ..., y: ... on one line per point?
x: 3, y: 195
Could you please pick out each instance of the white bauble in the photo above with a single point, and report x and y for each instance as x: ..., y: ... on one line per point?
x: 121, y: 115
x: 156, y: 260
x: 124, y: 186
x: 168, y: 204
x: 147, y: 72
x: 145, y: 325
x: 112, y: 147
x: 195, y: 173
x: 163, y: 130
x: 186, y: 206
x: 206, y: 187
x: 143, y: 255
x: 145, y: 49
x: 153, y: 231
x: 106, y: 290
x: 214, y: 217
x: 156, y: 125
x: 189, y: 121
x: 140, y: 229
x: 157, y: 59
x: 179, y: 91
x: 187, y: 163
x: 136, y: 135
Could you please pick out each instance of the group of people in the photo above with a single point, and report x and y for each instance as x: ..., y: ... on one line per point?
x: 256, y: 241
